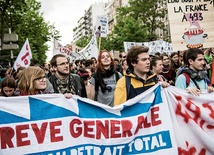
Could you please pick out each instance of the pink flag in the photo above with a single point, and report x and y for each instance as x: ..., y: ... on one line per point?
x: 23, y: 59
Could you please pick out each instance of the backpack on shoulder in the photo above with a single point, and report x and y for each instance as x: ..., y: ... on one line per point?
x: 187, y: 79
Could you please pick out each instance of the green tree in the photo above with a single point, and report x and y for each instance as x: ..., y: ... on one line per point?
x: 150, y: 13
x: 83, y: 41
x: 126, y: 29
x: 25, y: 19
x: 135, y: 23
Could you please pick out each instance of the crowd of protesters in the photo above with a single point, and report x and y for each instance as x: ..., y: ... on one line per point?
x: 105, y: 79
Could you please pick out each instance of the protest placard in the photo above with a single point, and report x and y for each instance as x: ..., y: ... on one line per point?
x: 191, y: 23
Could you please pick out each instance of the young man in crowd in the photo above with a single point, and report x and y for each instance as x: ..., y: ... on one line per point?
x: 63, y: 81
x: 193, y: 76
x: 138, y: 77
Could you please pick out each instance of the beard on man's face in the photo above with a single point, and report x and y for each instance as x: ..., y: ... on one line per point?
x: 62, y: 73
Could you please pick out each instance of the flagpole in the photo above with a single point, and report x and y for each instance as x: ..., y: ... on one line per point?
x: 99, y: 43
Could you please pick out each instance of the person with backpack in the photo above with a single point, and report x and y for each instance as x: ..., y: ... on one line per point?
x: 138, y: 77
x: 105, y: 78
x: 193, y: 76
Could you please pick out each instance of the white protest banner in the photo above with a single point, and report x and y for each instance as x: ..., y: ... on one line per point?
x: 192, y: 118
x: 101, y: 26
x: 23, y: 59
x: 59, y: 49
x: 128, y: 45
x: 91, y: 50
x: 154, y: 46
x: 159, y: 121
x: 191, y: 23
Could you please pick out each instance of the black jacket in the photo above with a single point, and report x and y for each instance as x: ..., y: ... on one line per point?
x: 76, y: 81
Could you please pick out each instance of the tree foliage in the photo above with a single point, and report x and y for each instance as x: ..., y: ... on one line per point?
x: 25, y: 19
x: 135, y: 23
x: 83, y: 41
x: 149, y: 12
x: 127, y: 29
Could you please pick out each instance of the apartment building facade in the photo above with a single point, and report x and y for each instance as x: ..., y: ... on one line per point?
x: 87, y: 23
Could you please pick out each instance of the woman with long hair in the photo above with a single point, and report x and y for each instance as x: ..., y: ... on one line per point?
x: 105, y: 78
x: 174, y: 61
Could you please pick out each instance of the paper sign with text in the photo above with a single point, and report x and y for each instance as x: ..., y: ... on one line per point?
x: 191, y: 23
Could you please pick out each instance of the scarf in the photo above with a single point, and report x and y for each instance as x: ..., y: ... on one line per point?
x: 99, y: 78
x: 166, y: 68
x: 197, y: 75
x: 65, y: 85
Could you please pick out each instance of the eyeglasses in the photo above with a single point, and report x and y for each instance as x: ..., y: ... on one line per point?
x: 8, y: 91
x: 40, y: 79
x: 63, y: 64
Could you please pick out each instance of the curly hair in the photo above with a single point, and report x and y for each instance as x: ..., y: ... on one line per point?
x: 26, y: 79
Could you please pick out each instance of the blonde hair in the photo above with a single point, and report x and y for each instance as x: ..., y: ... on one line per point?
x: 26, y: 79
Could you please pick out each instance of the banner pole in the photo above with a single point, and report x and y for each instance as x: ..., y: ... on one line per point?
x: 99, y: 43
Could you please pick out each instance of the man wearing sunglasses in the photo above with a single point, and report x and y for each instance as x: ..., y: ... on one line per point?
x: 122, y: 56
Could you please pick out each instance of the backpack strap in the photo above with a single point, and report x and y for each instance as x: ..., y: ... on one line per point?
x: 117, y: 76
x: 187, y: 79
x: 128, y: 83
